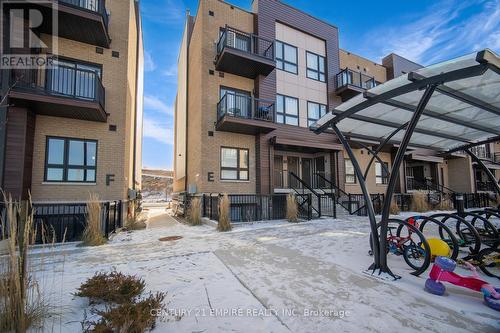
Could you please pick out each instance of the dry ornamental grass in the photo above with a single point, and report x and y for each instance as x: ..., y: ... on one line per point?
x: 224, y: 214
x: 292, y: 212
x: 92, y: 235
x: 194, y: 212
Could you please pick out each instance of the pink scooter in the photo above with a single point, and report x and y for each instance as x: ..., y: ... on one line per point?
x: 442, y: 271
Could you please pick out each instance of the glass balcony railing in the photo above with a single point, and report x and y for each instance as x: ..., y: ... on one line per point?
x: 353, y: 78
x: 245, y: 42
x: 247, y: 107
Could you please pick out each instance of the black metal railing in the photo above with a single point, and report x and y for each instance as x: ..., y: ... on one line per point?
x: 471, y: 200
x: 61, y: 80
x: 98, y: 6
x: 58, y: 222
x: 349, y: 77
x: 302, y: 188
x: 243, y: 106
x: 485, y: 186
x: 244, y: 207
x: 246, y: 42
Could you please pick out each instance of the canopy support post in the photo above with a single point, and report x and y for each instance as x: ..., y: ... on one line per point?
x: 382, y: 144
x: 366, y: 194
x: 374, y: 156
x: 398, y: 160
x: 490, y: 175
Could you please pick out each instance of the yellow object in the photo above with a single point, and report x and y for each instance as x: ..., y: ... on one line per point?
x: 438, y: 247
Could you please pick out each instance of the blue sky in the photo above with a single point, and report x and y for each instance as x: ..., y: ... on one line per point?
x: 424, y: 31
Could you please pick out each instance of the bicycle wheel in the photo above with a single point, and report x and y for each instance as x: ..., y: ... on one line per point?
x: 489, y: 262
x: 414, y: 255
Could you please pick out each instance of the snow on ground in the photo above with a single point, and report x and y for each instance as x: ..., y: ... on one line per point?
x: 266, y: 277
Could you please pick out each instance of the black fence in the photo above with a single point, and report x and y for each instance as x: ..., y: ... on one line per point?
x: 245, y: 207
x: 471, y: 200
x: 58, y: 222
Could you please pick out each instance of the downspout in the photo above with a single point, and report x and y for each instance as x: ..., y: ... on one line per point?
x: 188, y: 40
x: 139, y: 32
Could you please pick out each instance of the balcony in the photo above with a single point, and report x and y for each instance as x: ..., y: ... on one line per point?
x: 244, y: 54
x: 350, y: 83
x: 84, y: 21
x: 61, y: 91
x: 244, y: 114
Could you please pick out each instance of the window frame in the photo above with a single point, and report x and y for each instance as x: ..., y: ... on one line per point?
x: 238, y: 168
x: 346, y: 174
x: 283, y: 60
x: 66, y: 166
x: 384, y: 179
x: 309, y: 119
x: 316, y: 70
x: 284, y: 113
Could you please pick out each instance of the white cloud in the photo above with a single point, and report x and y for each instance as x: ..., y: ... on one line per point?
x: 169, y: 12
x: 156, y: 104
x: 171, y: 71
x: 448, y: 29
x: 158, y: 131
x: 149, y: 64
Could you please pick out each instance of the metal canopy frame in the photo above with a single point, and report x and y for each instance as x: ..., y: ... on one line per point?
x: 485, y: 60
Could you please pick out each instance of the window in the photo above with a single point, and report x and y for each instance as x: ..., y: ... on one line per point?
x: 350, y: 176
x: 381, y: 176
x: 315, y: 67
x: 287, y: 110
x: 234, y: 164
x: 70, y: 160
x: 286, y: 57
x: 314, y: 112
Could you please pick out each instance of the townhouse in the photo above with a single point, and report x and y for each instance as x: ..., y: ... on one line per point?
x: 250, y: 83
x: 75, y: 127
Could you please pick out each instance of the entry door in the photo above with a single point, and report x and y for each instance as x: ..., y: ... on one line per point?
x: 293, y: 166
x: 307, y: 170
x: 278, y: 171
x: 418, y: 174
x: 319, y: 168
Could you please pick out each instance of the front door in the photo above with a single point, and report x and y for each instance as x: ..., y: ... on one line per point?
x: 293, y: 166
x: 278, y: 171
x: 307, y: 170
x: 319, y: 168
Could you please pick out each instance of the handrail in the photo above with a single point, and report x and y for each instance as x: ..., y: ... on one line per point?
x: 304, y: 184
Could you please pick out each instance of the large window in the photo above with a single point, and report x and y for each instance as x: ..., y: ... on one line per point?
x: 234, y: 163
x: 350, y: 175
x: 314, y: 112
x: 70, y: 160
x: 74, y: 79
x: 381, y: 176
x: 287, y: 110
x: 286, y: 57
x: 315, y: 67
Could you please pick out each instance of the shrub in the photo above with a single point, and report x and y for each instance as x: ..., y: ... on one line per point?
x: 445, y: 204
x: 292, y: 211
x: 419, y: 202
x: 194, y: 212
x: 130, y: 317
x: 92, y: 235
x: 224, y: 214
x: 22, y: 303
x: 135, y: 223
x: 394, y: 208
x: 112, y: 287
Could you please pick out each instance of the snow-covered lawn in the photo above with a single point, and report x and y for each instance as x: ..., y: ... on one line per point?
x: 266, y: 277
